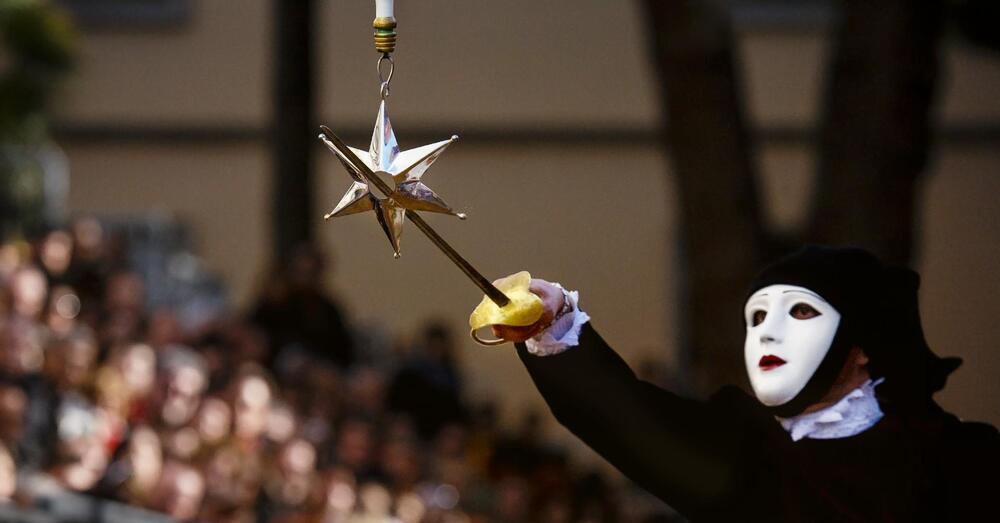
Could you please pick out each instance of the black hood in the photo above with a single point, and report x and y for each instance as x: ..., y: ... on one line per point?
x: 879, y: 312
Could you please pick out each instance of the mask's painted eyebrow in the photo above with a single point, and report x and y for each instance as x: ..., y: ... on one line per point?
x: 817, y: 296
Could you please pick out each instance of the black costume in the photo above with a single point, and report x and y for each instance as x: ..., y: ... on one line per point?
x: 728, y: 459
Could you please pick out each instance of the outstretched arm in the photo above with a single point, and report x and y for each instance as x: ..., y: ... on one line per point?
x: 680, y: 450
x: 684, y: 451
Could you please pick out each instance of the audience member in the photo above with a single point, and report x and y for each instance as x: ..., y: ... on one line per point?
x: 271, y: 418
x: 296, y: 313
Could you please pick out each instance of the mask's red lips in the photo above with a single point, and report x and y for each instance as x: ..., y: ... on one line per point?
x: 769, y: 361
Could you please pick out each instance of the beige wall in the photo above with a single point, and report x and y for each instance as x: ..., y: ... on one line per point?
x: 210, y: 71
x: 599, y: 218
x: 480, y: 63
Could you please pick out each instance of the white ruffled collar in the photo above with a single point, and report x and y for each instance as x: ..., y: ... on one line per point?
x: 853, y: 414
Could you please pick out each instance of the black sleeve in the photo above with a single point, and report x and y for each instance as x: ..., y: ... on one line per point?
x: 681, y: 450
x: 970, y: 458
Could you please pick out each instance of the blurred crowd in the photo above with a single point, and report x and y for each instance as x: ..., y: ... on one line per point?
x: 277, y: 415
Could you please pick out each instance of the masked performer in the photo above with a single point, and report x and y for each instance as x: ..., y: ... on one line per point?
x: 843, y: 427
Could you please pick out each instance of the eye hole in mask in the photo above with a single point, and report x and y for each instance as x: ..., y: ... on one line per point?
x: 802, y: 311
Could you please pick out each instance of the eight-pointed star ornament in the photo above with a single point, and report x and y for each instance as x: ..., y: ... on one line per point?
x: 406, y: 169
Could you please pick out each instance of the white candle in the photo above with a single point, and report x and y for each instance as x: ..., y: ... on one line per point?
x: 383, y: 8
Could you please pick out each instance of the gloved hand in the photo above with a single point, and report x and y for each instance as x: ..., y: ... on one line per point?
x: 533, y: 305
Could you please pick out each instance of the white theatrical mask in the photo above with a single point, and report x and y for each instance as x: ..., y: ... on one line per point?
x: 789, y: 331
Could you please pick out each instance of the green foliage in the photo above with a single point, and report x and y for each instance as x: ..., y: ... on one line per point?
x: 36, y: 53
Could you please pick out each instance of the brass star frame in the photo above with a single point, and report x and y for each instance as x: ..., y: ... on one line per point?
x: 403, y: 200
x: 406, y: 169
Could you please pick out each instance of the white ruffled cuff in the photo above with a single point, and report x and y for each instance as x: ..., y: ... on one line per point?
x: 564, y: 332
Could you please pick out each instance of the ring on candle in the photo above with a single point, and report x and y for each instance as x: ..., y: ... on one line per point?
x: 385, y: 34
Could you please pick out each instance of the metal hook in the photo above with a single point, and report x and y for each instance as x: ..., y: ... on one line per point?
x: 385, y: 78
